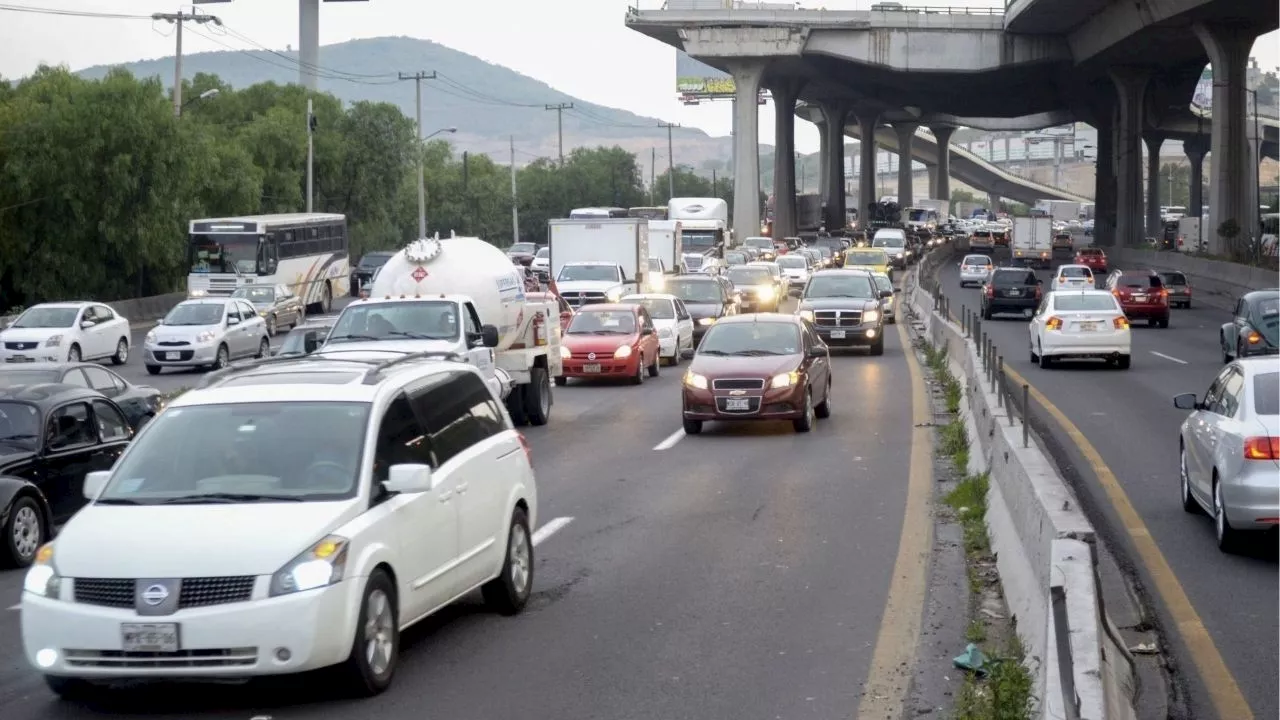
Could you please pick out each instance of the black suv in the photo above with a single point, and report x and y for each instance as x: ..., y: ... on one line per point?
x: 1010, y: 290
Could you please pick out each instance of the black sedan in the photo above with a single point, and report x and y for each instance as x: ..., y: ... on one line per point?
x: 1253, y: 327
x: 362, y: 274
x: 707, y: 299
x: 139, y: 403
x: 51, y: 436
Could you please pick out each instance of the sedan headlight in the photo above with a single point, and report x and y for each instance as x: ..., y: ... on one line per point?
x: 871, y: 316
x: 565, y: 354
x: 53, y: 341
x: 320, y: 565
x: 206, y: 336
x: 696, y: 381
x: 765, y: 292
x: 707, y: 321
x: 807, y: 315
x: 785, y: 380
x: 42, y: 577
x: 622, y: 352
x: 150, y: 338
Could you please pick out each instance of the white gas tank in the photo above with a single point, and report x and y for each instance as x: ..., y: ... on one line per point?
x: 458, y: 266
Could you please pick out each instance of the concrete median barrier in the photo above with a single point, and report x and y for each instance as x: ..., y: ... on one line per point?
x: 1216, y: 283
x: 139, y: 311
x: 1045, y: 546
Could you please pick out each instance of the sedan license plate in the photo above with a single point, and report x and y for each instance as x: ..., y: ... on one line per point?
x: 737, y: 404
x: 1139, y: 298
x: 1088, y: 326
x: 172, y: 356
x: 149, y: 637
x: 837, y: 334
x: 19, y: 359
x: 591, y: 368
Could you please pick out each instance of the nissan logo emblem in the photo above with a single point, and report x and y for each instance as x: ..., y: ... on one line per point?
x: 591, y: 356
x: 155, y: 594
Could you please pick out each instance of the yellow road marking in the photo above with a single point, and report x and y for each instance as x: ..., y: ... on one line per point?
x: 884, y: 692
x: 1224, y: 693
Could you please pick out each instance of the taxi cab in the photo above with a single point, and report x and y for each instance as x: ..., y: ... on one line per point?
x: 873, y: 259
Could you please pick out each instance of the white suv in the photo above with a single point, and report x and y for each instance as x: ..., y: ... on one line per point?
x: 289, y: 515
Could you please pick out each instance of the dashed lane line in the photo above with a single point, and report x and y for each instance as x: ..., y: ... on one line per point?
x: 1168, y: 357
x: 671, y: 441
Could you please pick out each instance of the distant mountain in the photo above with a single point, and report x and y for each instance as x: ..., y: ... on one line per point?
x: 487, y: 103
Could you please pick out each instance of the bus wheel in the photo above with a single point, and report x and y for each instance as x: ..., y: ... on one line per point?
x: 327, y: 301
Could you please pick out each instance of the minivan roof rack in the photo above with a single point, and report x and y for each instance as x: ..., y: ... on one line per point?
x: 370, y: 376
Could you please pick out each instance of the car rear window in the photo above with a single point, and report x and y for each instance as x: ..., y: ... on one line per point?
x: 1173, y: 278
x: 1141, y: 280
x: 1090, y: 302
x: 1075, y: 272
x: 1266, y: 393
x: 977, y: 260
x: 1090, y: 251
x: 1014, y: 277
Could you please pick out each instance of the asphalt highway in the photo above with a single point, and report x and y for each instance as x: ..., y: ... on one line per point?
x: 1128, y: 416
x: 739, y: 573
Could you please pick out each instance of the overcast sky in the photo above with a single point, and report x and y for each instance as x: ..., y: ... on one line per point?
x: 578, y: 46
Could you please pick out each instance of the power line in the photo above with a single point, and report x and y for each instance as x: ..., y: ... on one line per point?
x: 417, y: 78
x: 72, y: 13
x: 671, y: 173
x: 178, y: 19
x: 560, y: 108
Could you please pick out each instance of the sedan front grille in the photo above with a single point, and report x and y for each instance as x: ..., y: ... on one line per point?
x: 837, y: 318
x: 195, y: 592
x: 738, y: 384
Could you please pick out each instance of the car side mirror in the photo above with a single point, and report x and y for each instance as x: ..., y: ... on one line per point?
x: 310, y: 342
x: 816, y: 351
x: 94, y: 482
x: 86, y: 324
x: 410, y: 479
x: 886, y: 293
x: 233, y: 321
x: 489, y: 336
x: 1186, y: 401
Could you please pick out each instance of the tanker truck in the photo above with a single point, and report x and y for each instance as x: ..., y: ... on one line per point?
x: 463, y: 296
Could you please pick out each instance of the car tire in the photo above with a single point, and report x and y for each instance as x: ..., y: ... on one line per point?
x: 638, y: 378
x: 70, y: 689
x: 1124, y: 362
x: 222, y: 359
x: 153, y: 369
x: 24, y: 532
x: 987, y: 314
x: 1227, y: 536
x: 363, y: 675
x: 537, y: 397
x: 271, y: 325
x: 561, y: 381
x: 1189, y: 502
x: 1046, y: 362
x: 515, y: 406
x: 804, y: 423
x: 877, y: 347
x: 653, y: 368
x: 264, y: 349
x: 1162, y: 323
x: 508, y: 593
x: 692, y: 427
x: 822, y: 410
x: 1187, y: 305
x: 122, y: 352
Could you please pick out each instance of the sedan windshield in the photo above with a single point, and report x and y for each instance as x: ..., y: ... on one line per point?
x: 1091, y: 302
x: 47, y: 317
x: 602, y: 322
x: 195, y: 313
x: 243, y: 452
x: 589, y: 273
x: 659, y: 308
x: 834, y: 286
x: 751, y: 338
x: 696, y: 291
x: 19, y: 425
x: 256, y: 295
x: 763, y: 243
x: 422, y: 320
x: 863, y: 257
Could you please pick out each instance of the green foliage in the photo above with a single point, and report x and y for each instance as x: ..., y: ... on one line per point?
x: 1004, y: 694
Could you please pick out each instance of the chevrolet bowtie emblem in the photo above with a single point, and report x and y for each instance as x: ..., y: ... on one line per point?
x: 738, y: 392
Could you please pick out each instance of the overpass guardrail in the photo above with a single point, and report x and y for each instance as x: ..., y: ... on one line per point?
x: 136, y: 310
x: 1216, y: 283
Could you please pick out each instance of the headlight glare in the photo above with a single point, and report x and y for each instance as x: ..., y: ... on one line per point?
x: 565, y: 354
x: 870, y: 316
x: 785, y: 380
x: 622, y: 352
x: 320, y: 565
x: 707, y: 321
x: 42, y: 577
x: 696, y: 381
x: 807, y: 315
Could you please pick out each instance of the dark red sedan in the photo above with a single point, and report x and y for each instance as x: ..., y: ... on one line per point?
x: 1142, y: 295
x: 1093, y: 258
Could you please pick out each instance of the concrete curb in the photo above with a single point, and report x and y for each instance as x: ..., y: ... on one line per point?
x: 1044, y: 545
x: 1214, y: 282
x: 139, y: 311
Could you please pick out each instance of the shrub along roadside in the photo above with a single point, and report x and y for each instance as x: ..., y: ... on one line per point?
x: 1003, y: 689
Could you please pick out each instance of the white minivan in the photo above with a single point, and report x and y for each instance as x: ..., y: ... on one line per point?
x: 293, y: 514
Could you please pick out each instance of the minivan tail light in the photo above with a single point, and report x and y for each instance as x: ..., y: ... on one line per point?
x: 1262, y: 448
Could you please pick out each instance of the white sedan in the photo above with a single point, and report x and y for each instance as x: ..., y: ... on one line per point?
x: 1229, y: 448
x: 672, y: 320
x: 66, y: 332
x: 795, y: 268
x: 975, y: 269
x: 1073, y: 277
x: 1078, y: 325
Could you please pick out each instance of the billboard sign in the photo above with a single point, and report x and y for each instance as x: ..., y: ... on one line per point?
x: 1202, y: 98
x: 696, y: 79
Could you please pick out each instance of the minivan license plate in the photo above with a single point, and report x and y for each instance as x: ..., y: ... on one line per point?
x: 737, y: 404
x: 149, y: 637
x: 837, y: 334
x: 591, y: 368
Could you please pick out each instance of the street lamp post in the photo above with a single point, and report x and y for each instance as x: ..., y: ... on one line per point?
x: 422, y: 183
x: 211, y: 92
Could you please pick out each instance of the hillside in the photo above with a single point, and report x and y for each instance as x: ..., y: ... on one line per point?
x: 488, y: 103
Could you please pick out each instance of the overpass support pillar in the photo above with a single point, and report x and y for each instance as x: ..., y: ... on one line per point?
x: 835, y: 115
x: 1233, y: 194
x: 1104, y: 193
x: 906, y: 186
x: 1195, y: 148
x: 867, y: 121
x: 822, y: 161
x: 746, y: 146
x: 940, y: 187
x: 1131, y: 89
x: 931, y: 171
x: 1154, y: 142
x: 784, y: 93
x: 308, y: 42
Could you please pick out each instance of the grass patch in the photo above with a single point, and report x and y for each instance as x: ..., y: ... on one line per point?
x: 1005, y: 692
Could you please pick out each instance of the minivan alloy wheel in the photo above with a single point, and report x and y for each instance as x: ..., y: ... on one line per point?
x: 379, y: 633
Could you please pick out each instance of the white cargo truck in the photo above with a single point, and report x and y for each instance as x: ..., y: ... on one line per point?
x: 1060, y: 210
x: 598, y: 260
x: 1032, y: 241
x: 461, y: 297
x: 666, y: 242
x: 704, y: 223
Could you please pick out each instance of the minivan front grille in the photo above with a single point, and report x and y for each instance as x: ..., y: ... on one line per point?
x: 194, y: 592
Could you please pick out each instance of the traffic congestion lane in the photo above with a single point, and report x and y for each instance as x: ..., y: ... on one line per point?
x: 746, y: 568
x: 1129, y: 417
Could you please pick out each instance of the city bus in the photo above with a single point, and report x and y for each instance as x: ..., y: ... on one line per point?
x: 306, y: 252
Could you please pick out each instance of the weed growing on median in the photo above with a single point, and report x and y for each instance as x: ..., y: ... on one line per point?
x: 1005, y: 692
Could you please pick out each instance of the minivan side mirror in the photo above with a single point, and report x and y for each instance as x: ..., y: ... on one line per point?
x: 409, y: 478
x: 94, y: 482
x: 1186, y: 401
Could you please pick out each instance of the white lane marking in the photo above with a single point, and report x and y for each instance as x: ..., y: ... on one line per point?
x: 1168, y: 357
x: 549, y: 529
x: 671, y: 440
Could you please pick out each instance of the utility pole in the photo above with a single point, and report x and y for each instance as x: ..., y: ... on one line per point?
x: 177, y: 19
x: 653, y: 174
x: 311, y: 146
x: 560, y: 108
x: 671, y: 173
x: 515, y: 204
x: 417, y: 79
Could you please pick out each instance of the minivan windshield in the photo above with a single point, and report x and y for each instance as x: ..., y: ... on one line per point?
x: 889, y: 241
x: 243, y: 453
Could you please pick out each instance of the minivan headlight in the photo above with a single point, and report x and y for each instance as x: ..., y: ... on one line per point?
x: 42, y: 577
x: 318, y: 566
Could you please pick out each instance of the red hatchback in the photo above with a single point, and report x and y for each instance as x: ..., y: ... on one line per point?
x: 1093, y: 258
x: 1142, y: 295
x: 609, y: 340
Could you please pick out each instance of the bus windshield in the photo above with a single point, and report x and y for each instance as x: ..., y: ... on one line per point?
x: 224, y: 253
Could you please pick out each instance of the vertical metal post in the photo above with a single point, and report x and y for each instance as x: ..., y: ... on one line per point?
x: 1012, y: 402
x: 1026, y: 434
x: 999, y: 361
x: 310, y: 155
x: 515, y: 197
x: 177, y: 69
x: 1000, y: 386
